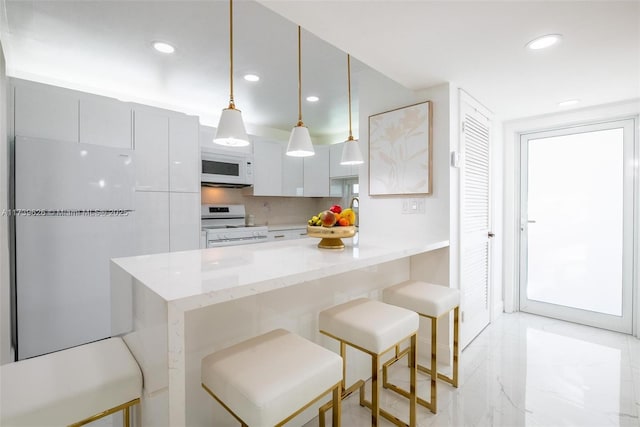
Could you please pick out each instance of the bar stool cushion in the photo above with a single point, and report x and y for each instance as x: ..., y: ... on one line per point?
x: 371, y: 325
x: 424, y: 298
x: 68, y: 386
x: 265, y: 379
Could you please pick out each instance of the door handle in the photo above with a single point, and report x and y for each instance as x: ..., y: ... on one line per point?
x: 531, y: 221
x: 491, y: 235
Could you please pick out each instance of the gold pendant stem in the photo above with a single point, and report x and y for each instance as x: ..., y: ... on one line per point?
x: 349, y: 92
x: 299, y: 79
x: 231, y: 102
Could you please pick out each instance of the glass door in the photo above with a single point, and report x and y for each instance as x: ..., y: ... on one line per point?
x: 577, y: 224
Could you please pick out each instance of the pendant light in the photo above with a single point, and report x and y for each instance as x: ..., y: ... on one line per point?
x: 300, y: 142
x: 231, y: 131
x: 351, y: 154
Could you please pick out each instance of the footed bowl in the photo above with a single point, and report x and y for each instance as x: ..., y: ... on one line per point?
x: 331, y: 236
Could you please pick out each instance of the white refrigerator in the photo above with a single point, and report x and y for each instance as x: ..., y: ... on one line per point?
x: 73, y: 212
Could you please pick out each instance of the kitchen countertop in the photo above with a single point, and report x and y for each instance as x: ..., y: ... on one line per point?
x: 196, y: 278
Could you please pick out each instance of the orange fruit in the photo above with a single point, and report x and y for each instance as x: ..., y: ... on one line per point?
x: 343, y: 221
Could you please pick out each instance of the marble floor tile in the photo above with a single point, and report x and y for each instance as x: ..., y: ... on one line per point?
x: 526, y: 370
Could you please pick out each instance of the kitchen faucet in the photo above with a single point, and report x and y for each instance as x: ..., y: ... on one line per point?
x: 355, y: 202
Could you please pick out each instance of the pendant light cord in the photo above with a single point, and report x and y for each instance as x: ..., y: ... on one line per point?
x: 231, y: 102
x: 299, y: 80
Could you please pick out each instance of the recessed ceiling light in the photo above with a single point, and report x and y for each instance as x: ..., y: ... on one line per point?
x: 163, y: 47
x: 251, y: 77
x: 313, y: 98
x: 568, y: 102
x: 544, y: 41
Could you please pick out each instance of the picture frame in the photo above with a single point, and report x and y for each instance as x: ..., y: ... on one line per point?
x: 400, y: 151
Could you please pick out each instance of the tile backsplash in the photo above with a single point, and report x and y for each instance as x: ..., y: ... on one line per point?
x: 270, y: 210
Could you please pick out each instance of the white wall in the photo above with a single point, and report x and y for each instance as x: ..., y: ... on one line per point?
x: 381, y: 218
x: 5, y: 316
x: 512, y: 131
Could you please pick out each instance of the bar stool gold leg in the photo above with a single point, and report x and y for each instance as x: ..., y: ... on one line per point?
x: 337, y: 407
x: 413, y: 392
x: 125, y: 415
x: 456, y: 346
x: 375, y: 403
x: 434, y: 365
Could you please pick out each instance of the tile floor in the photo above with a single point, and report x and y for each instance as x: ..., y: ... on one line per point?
x: 526, y: 370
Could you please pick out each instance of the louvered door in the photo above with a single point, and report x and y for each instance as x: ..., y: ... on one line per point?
x: 475, y: 222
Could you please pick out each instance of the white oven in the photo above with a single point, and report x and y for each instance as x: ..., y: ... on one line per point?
x: 227, y: 170
x: 224, y: 225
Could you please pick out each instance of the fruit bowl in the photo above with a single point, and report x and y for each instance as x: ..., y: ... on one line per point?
x: 331, y: 236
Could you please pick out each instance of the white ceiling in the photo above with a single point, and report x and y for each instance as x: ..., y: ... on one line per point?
x: 104, y: 47
x: 479, y: 45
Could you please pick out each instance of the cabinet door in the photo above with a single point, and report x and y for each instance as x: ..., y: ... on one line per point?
x: 184, y: 221
x: 43, y: 111
x: 267, y: 167
x: 292, y: 176
x: 105, y: 121
x: 184, y: 154
x: 336, y: 170
x: 151, y: 222
x: 316, y: 173
x: 151, y: 145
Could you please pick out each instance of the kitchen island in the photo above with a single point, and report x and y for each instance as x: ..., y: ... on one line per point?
x: 173, y: 309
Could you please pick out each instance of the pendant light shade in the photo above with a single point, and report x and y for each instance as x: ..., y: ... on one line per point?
x: 351, y: 154
x: 231, y: 131
x: 300, y: 142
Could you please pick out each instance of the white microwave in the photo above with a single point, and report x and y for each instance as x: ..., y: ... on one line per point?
x: 228, y: 170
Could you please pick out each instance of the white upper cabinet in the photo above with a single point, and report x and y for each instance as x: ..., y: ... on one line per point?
x: 316, y: 173
x: 336, y: 170
x: 105, y: 121
x: 43, y: 111
x: 184, y: 154
x: 267, y: 168
x: 151, y: 144
x: 292, y: 176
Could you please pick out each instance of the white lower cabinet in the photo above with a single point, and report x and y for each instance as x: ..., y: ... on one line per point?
x: 151, y: 222
x: 288, y: 234
x: 184, y: 222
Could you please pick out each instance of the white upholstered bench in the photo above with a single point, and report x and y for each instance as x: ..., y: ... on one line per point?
x: 70, y: 387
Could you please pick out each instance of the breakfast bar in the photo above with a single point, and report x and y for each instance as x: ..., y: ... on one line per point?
x: 172, y: 309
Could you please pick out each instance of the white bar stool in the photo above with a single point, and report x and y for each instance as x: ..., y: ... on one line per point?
x: 269, y: 379
x: 71, y: 387
x: 430, y: 301
x: 374, y: 328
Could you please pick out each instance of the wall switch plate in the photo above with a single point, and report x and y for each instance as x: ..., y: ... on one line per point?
x: 413, y: 206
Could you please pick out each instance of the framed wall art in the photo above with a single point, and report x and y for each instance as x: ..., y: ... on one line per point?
x: 400, y: 151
